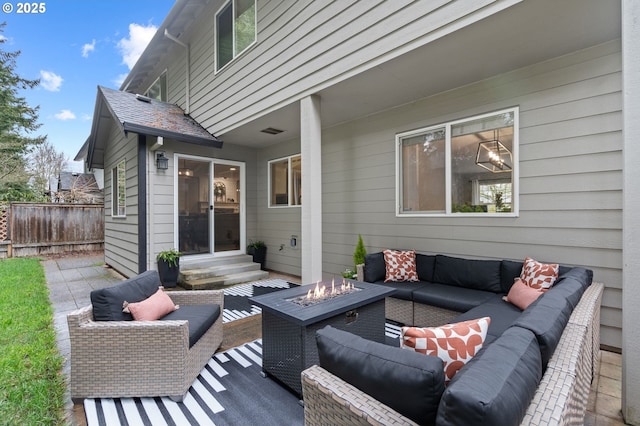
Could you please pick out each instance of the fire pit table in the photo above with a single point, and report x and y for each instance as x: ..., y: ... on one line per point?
x: 289, y: 324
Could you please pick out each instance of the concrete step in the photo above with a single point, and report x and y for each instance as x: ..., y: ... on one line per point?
x: 188, y: 264
x: 223, y: 281
x: 207, y: 272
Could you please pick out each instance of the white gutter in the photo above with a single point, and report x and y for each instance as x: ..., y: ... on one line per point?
x: 188, y: 79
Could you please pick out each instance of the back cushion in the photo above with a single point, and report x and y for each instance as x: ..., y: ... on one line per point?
x: 406, y: 381
x: 107, y: 302
x: 584, y: 276
x: 424, y: 266
x: 509, y: 271
x: 546, y: 318
x: 495, y: 387
x: 374, y: 267
x: 468, y: 273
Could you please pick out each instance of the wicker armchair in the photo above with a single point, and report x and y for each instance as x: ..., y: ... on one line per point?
x: 140, y: 358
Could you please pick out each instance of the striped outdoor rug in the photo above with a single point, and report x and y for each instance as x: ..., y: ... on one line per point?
x: 229, y: 391
x: 236, y: 304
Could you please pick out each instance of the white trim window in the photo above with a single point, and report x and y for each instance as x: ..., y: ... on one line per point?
x: 119, y: 190
x: 158, y: 89
x: 285, y: 181
x: 467, y: 167
x: 235, y: 30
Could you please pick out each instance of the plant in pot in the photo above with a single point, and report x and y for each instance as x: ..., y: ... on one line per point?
x: 258, y: 249
x: 169, y: 267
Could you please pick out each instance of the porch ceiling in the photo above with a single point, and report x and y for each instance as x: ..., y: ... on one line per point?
x: 527, y: 33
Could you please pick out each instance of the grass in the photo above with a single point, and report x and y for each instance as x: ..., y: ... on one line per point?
x: 32, y: 386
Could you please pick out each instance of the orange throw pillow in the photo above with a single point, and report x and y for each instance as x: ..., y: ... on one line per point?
x: 521, y: 295
x: 153, y: 308
x: 400, y: 266
x: 539, y: 275
x: 455, y: 344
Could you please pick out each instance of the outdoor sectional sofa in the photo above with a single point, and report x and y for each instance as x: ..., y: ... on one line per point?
x: 535, y: 368
x: 114, y: 356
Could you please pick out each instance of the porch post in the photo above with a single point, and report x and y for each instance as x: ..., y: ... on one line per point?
x: 631, y: 206
x: 311, y: 211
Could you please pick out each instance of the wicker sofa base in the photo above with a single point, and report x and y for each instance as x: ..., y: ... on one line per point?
x: 139, y: 358
x: 561, y: 397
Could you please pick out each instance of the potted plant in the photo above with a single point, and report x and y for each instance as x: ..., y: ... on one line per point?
x: 169, y: 267
x: 258, y: 249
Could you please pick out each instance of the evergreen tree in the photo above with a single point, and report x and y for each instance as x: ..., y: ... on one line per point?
x: 17, y: 119
x: 360, y: 252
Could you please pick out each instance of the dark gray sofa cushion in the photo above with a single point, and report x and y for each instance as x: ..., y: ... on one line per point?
x: 374, y: 267
x: 107, y: 302
x: 450, y: 297
x: 425, y: 265
x: 200, y: 317
x: 408, y: 382
x: 404, y: 290
x: 546, y: 318
x: 468, y: 273
x: 496, y: 386
x: 502, y: 314
x: 509, y: 271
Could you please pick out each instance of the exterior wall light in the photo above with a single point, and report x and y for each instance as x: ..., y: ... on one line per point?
x: 162, y: 162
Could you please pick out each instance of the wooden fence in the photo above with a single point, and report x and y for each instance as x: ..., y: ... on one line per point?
x: 32, y: 229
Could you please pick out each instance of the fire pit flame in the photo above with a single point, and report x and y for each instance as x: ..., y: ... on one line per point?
x: 320, y: 293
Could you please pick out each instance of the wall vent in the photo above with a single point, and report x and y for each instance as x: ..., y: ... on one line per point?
x: 271, y: 131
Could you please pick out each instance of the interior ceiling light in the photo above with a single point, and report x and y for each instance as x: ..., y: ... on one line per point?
x: 494, y: 156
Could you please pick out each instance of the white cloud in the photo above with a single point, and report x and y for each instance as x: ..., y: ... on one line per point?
x: 119, y: 80
x: 65, y: 114
x: 131, y: 48
x: 50, y: 81
x: 86, y: 117
x: 88, y: 47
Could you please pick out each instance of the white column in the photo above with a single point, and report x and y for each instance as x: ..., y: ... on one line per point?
x: 631, y: 207
x: 311, y: 153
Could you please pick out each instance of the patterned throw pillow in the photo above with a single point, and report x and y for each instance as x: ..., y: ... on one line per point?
x: 152, y: 308
x: 400, y: 266
x: 539, y: 275
x: 455, y: 344
x: 521, y: 295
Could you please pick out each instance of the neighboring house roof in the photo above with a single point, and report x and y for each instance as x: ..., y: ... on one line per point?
x: 142, y: 115
x: 72, y: 180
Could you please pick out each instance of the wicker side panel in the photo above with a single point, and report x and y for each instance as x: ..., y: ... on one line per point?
x: 587, y: 313
x: 431, y: 316
x: 561, y: 398
x: 399, y: 310
x: 329, y: 400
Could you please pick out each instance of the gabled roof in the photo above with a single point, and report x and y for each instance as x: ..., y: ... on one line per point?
x: 142, y: 115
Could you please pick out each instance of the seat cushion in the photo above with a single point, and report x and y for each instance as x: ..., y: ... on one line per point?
x: 200, y: 317
x: 416, y: 381
x: 468, y: 273
x: 496, y: 386
x: 404, y: 290
x: 107, y: 302
x: 502, y: 314
x: 450, y: 297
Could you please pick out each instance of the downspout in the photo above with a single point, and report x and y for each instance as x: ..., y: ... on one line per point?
x: 142, y: 203
x: 188, y: 79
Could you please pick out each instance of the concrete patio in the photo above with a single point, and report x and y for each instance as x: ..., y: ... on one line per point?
x: 71, y: 279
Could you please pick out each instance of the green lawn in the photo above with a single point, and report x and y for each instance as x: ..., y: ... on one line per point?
x: 32, y: 387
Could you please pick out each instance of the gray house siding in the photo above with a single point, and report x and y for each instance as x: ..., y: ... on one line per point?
x: 570, y: 175
x: 276, y: 225
x: 121, y: 234
x: 305, y: 46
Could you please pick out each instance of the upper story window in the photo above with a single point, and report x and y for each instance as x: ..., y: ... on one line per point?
x: 158, y: 89
x: 235, y: 30
x: 464, y: 167
x: 285, y: 182
x: 118, y: 194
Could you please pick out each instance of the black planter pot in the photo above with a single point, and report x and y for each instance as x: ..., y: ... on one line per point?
x: 168, y: 274
x: 259, y: 255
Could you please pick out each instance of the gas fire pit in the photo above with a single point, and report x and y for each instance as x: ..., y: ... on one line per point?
x: 290, y: 319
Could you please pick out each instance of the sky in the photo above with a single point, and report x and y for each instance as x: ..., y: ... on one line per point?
x: 72, y: 47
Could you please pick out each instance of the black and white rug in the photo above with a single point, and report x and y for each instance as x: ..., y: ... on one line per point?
x: 236, y: 298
